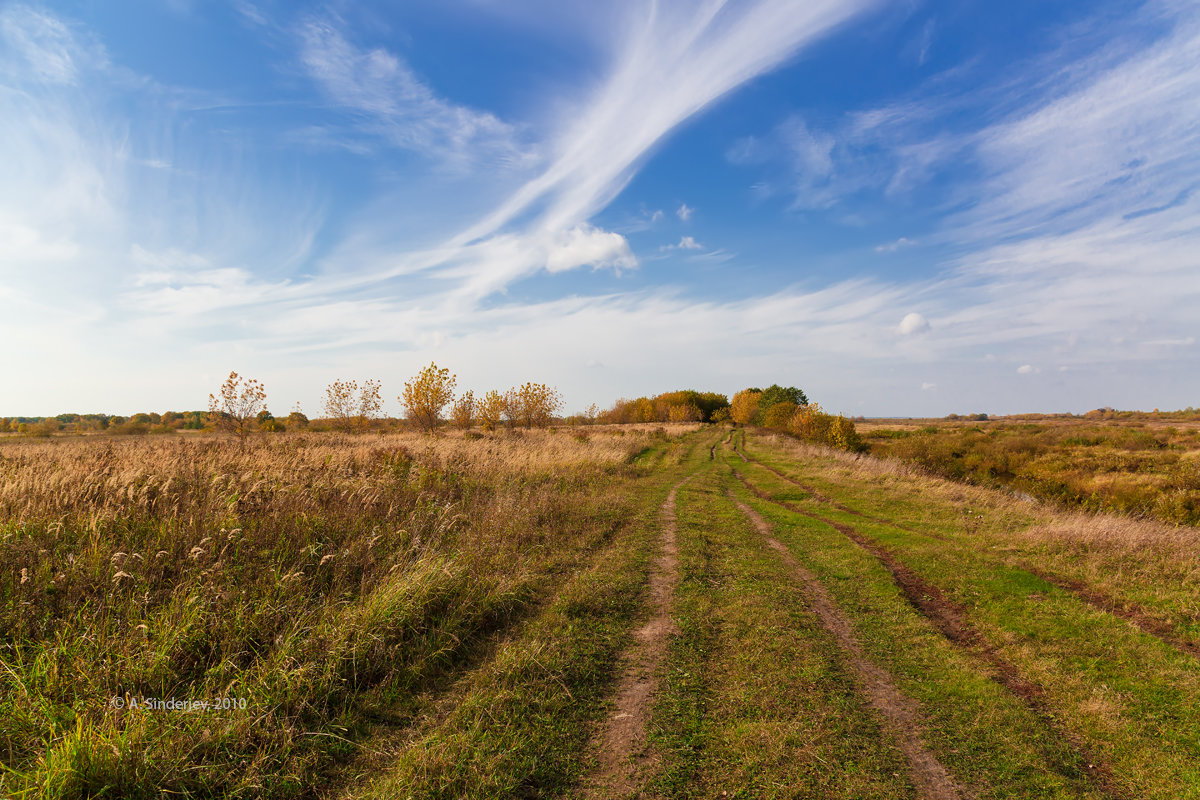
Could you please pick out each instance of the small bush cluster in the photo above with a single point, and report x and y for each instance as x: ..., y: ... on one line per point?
x: 685, y: 405
x: 787, y: 410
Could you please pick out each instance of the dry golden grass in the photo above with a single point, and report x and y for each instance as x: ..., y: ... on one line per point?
x: 107, y: 478
x: 307, y: 574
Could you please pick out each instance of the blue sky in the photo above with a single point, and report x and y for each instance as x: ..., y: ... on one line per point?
x: 905, y: 208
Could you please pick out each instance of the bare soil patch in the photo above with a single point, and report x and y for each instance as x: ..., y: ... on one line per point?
x: 624, y: 760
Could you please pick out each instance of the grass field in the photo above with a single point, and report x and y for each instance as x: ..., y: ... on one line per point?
x: 678, y: 612
x: 1146, y: 465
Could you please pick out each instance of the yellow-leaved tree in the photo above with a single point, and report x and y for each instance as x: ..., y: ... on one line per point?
x: 349, y: 405
x: 490, y: 410
x: 744, y: 406
x: 531, y: 405
x: 462, y: 411
x: 236, y: 406
x: 426, y: 395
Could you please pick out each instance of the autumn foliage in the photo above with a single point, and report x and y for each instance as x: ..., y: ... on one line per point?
x: 531, y: 405
x: 462, y: 411
x: 237, y: 405
x: 679, y: 406
x: 427, y: 394
x: 490, y: 410
x: 349, y: 406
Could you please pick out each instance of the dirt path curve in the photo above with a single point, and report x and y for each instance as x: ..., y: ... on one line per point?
x: 932, y: 779
x: 624, y: 761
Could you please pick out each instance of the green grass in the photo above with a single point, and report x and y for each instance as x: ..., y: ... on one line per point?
x: 1136, y: 565
x: 339, y: 588
x: 1127, y: 697
x: 755, y: 699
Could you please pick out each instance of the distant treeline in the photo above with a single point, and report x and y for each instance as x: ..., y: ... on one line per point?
x: 112, y: 423
x: 240, y: 408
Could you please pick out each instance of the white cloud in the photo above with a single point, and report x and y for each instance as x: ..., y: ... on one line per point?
x: 40, y: 45
x: 894, y: 246
x: 1184, y: 342
x: 685, y: 243
x: 21, y: 243
x: 1026, y: 369
x: 913, y: 323
x: 397, y: 105
x: 684, y: 212
x: 667, y: 67
x: 1121, y: 141
x: 585, y: 245
x: 927, y: 387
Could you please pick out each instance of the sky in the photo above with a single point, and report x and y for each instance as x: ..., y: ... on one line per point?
x: 905, y: 208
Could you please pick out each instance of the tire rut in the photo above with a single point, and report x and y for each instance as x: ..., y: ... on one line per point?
x: 900, y: 713
x: 1088, y: 595
x: 624, y: 762
x: 951, y: 620
x: 1135, y: 614
x: 827, y: 500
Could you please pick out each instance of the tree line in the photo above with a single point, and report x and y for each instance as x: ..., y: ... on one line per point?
x: 239, y: 406
x: 430, y: 401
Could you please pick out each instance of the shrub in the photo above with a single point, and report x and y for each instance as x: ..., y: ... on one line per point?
x: 235, y: 408
x: 426, y: 395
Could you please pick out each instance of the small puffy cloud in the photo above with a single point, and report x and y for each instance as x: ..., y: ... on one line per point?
x: 913, y: 324
x: 685, y: 243
x: 928, y: 387
x: 684, y: 212
x: 656, y: 216
x: 894, y: 246
x: 1026, y: 369
x: 585, y: 245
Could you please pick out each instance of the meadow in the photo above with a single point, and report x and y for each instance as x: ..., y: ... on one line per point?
x: 320, y: 584
x: 659, y: 611
x: 1146, y: 465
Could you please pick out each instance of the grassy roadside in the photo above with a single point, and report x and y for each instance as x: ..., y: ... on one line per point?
x: 1126, y: 696
x: 519, y: 725
x: 1136, y: 565
x: 754, y: 699
x: 985, y: 735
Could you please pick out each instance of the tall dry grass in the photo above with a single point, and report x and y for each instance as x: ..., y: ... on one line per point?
x: 317, y: 578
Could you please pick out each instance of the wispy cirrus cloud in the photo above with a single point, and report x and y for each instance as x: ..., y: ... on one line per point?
x: 669, y: 61
x: 394, y: 103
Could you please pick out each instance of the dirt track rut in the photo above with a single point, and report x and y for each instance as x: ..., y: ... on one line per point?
x: 625, y: 762
x: 931, y: 778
